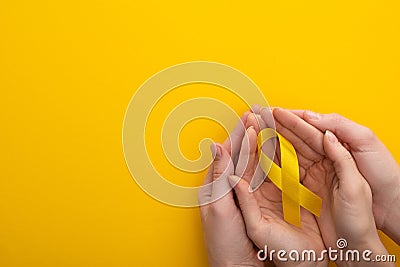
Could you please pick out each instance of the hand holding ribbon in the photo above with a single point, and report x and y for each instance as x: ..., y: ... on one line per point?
x: 262, y: 210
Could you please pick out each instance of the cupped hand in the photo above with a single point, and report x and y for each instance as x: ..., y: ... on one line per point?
x: 328, y: 169
x: 262, y: 210
x: 224, y: 230
x: 374, y: 162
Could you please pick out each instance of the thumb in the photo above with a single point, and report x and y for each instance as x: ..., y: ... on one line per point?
x: 343, y: 162
x: 223, y: 165
x: 248, y: 204
x: 222, y: 168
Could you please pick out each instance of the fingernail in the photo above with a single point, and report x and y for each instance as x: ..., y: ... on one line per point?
x: 331, y: 137
x: 255, y: 109
x: 312, y: 115
x: 213, y: 149
x: 266, y: 109
x: 251, y: 115
x: 251, y: 127
x: 233, y: 180
x: 218, y: 153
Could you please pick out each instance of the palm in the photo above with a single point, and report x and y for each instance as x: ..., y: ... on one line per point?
x: 316, y: 170
x: 275, y: 229
x: 269, y: 198
x: 318, y: 175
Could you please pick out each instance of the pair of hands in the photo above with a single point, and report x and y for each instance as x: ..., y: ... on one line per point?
x: 337, y: 173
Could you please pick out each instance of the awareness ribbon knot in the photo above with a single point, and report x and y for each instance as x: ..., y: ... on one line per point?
x: 287, y: 179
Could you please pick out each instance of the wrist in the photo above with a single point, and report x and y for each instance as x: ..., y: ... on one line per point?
x: 390, y: 225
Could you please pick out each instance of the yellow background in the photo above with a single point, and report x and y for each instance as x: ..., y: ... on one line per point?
x: 69, y: 68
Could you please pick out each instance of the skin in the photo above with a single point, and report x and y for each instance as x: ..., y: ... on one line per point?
x: 224, y: 230
x: 374, y: 162
x: 226, y: 236
x: 328, y: 169
x: 263, y: 215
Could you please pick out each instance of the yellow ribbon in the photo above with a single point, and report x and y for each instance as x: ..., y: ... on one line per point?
x: 287, y: 179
